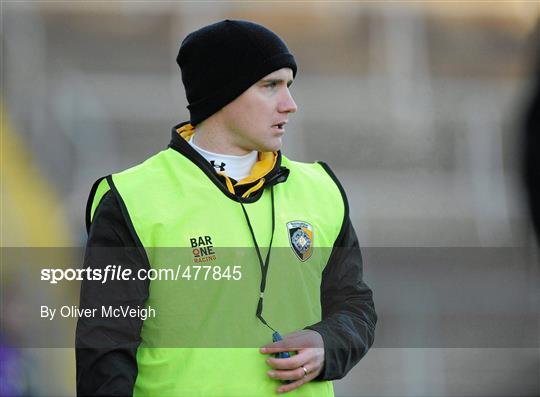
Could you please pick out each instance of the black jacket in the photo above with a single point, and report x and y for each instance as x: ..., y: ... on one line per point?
x: 106, y: 348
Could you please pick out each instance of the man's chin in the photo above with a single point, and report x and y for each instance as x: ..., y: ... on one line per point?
x: 273, y: 146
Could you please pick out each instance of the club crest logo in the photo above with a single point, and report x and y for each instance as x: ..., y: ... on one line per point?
x: 301, y: 239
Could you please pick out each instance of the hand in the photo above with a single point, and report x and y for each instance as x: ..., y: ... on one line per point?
x: 309, y: 346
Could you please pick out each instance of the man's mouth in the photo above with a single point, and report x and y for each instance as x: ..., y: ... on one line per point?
x: 279, y: 126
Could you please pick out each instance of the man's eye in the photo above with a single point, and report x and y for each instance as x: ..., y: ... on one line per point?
x: 271, y: 85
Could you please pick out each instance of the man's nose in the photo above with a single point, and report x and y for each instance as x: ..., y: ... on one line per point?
x: 287, y: 104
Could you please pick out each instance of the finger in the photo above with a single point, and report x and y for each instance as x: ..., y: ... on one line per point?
x: 295, y: 374
x: 296, y: 384
x: 292, y: 362
x: 271, y: 349
x: 275, y: 347
x: 313, y: 367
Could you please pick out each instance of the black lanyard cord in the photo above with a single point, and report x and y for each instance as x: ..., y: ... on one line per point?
x: 264, y: 265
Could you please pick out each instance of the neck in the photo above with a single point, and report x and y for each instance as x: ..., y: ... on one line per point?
x: 236, y: 167
x: 217, y: 139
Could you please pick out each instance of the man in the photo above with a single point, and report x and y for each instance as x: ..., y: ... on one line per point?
x: 222, y: 184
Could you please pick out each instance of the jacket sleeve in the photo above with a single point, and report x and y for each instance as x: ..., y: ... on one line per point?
x: 348, y: 313
x: 106, y: 347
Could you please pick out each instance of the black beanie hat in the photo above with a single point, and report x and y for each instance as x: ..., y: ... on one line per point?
x: 220, y: 61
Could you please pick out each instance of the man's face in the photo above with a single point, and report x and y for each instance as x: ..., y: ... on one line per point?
x: 256, y: 119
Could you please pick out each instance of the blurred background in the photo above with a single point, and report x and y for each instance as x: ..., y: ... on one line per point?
x: 417, y: 107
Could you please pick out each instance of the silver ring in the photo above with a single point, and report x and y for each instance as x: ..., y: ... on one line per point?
x: 305, y: 371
